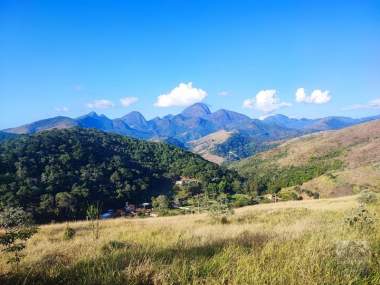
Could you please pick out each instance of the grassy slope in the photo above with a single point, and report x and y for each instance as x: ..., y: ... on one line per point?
x: 358, y: 147
x: 205, y: 145
x: 284, y: 243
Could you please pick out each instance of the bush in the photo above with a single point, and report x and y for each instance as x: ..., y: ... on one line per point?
x: 224, y: 220
x: 161, y: 204
x: 17, y: 229
x: 367, y: 197
x: 241, y: 200
x: 219, y: 209
x: 361, y: 219
x: 288, y: 195
x: 69, y: 233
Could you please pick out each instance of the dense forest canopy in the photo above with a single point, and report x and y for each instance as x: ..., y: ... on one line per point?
x: 56, y: 174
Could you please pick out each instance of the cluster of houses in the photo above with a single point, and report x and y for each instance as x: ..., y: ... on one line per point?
x: 185, y: 181
x: 144, y: 209
x: 130, y: 210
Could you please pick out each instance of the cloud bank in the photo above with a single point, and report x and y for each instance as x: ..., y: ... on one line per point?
x: 265, y: 101
x: 182, y: 95
x: 316, y: 97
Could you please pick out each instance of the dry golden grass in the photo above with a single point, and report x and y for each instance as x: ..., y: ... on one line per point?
x: 346, y: 182
x: 361, y: 144
x: 285, y: 243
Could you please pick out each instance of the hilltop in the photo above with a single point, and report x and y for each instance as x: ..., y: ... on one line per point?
x: 205, y: 146
x: 331, y: 163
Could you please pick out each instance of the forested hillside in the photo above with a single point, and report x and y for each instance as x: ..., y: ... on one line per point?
x: 58, y: 173
x: 6, y: 136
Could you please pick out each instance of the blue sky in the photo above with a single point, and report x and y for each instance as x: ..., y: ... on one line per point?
x: 71, y: 57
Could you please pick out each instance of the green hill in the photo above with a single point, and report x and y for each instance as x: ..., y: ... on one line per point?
x: 6, y: 136
x: 327, y: 164
x: 58, y: 173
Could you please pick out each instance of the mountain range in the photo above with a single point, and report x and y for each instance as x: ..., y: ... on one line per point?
x: 246, y: 135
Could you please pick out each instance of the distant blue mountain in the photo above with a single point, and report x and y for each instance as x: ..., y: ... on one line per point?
x: 135, y: 120
x: 313, y: 125
x: 59, y: 122
x: 196, y: 110
x: 193, y: 123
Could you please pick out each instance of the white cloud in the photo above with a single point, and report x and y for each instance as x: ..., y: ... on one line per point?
x: 373, y: 104
x: 100, y: 104
x: 316, y: 97
x: 128, y: 101
x: 182, y: 95
x: 300, y: 95
x: 265, y: 101
x: 62, y: 109
x: 224, y: 93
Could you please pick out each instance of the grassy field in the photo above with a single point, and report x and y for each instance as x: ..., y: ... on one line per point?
x: 297, y: 242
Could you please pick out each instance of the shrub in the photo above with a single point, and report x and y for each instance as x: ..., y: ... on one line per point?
x: 220, y: 208
x: 367, y: 197
x: 69, y: 232
x: 224, y: 220
x: 161, y: 204
x: 361, y: 219
x: 241, y: 200
x: 288, y: 195
x: 18, y: 228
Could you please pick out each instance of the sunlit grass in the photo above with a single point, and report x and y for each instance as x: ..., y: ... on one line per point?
x: 303, y: 242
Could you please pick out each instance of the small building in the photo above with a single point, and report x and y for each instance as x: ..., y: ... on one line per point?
x: 146, y: 205
x: 186, y: 181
